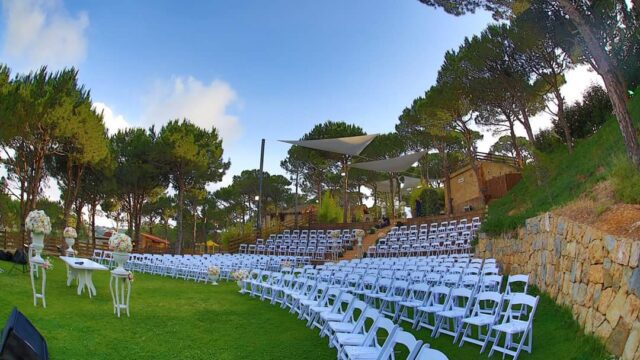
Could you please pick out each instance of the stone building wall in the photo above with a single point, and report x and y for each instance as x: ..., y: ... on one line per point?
x: 593, y: 273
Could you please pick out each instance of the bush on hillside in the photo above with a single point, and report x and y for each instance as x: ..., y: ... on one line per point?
x: 626, y: 180
x: 587, y: 116
x: 546, y: 141
x: 432, y: 201
x: 329, y: 211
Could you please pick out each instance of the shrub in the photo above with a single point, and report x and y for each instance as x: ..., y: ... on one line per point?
x: 546, y: 141
x: 626, y: 180
x: 586, y: 117
x: 329, y: 211
x: 432, y: 201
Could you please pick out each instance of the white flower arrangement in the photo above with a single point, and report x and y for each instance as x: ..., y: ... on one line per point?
x: 213, y: 270
x: 120, y: 243
x: 335, y: 234
x: 69, y: 232
x: 360, y: 233
x: 286, y: 264
x: 38, y: 222
x: 240, y: 275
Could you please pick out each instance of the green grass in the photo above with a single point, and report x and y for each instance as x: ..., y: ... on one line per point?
x: 176, y: 319
x: 564, y: 177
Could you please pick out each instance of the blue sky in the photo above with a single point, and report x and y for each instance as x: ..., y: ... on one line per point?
x: 279, y: 66
x: 253, y: 69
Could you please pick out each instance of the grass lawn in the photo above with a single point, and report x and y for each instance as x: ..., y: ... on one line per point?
x: 176, y: 319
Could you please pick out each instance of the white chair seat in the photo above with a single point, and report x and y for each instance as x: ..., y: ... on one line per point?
x: 480, y: 320
x: 412, y: 303
x: 362, y: 353
x: 308, y: 302
x: 456, y: 313
x: 350, y: 339
x: 320, y: 309
x: 329, y: 316
x: 512, y: 327
x: 341, y: 327
x: 431, y: 309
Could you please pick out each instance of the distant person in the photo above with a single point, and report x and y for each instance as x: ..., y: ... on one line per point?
x: 419, y: 208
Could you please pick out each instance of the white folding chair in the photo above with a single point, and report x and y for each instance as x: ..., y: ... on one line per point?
x: 449, y: 320
x: 513, y: 325
x: 485, y: 314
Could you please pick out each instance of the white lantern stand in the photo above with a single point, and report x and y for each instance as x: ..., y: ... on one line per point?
x: 34, y: 267
x: 360, y: 247
x: 120, y: 287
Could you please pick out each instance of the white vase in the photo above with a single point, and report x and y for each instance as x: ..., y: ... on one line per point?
x: 120, y: 259
x: 214, y: 279
x: 37, y: 243
x: 70, y: 242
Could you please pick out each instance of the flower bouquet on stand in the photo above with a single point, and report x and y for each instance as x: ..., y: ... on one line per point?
x: 121, y: 246
x: 214, y: 274
x: 359, y: 236
x: 70, y: 236
x: 239, y: 276
x: 39, y: 225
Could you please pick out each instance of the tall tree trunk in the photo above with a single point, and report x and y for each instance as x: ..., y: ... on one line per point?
x: 166, y: 229
x: 616, y: 87
x: 195, y: 226
x: 516, y: 147
x: 179, y: 237
x: 563, y: 120
x: 79, y: 206
x: 345, y: 195
x: 94, y: 206
x: 448, y: 200
x: 392, y: 200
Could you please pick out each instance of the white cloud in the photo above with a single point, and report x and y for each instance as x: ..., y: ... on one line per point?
x: 113, y: 122
x: 204, y: 105
x: 42, y: 32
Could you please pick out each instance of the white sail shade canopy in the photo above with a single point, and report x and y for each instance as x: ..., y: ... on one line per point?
x: 352, y: 145
x: 397, y: 164
x: 409, y: 184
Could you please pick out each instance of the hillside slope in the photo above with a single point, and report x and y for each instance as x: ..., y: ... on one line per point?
x: 565, y: 177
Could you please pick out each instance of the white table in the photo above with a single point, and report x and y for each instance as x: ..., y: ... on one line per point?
x: 82, y: 269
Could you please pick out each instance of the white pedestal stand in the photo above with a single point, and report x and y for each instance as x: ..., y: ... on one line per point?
x: 34, y: 267
x: 120, y: 287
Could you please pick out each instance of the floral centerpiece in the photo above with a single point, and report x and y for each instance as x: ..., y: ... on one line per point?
x: 286, y: 264
x: 359, y: 235
x: 214, y: 274
x: 335, y: 234
x: 70, y: 236
x: 39, y: 225
x: 121, y: 246
x: 239, y: 276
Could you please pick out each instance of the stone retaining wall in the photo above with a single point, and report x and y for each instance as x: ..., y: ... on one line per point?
x: 595, y: 274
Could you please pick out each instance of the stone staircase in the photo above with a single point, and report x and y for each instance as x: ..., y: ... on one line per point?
x: 368, y: 240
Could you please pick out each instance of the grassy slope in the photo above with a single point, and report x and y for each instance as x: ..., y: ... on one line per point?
x: 174, y: 319
x: 564, y: 177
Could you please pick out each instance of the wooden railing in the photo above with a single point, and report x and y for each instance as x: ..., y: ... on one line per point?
x: 440, y: 218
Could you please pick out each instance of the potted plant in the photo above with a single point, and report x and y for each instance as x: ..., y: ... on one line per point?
x: 239, y: 276
x: 70, y: 236
x: 214, y: 274
x: 121, y: 246
x: 39, y: 225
